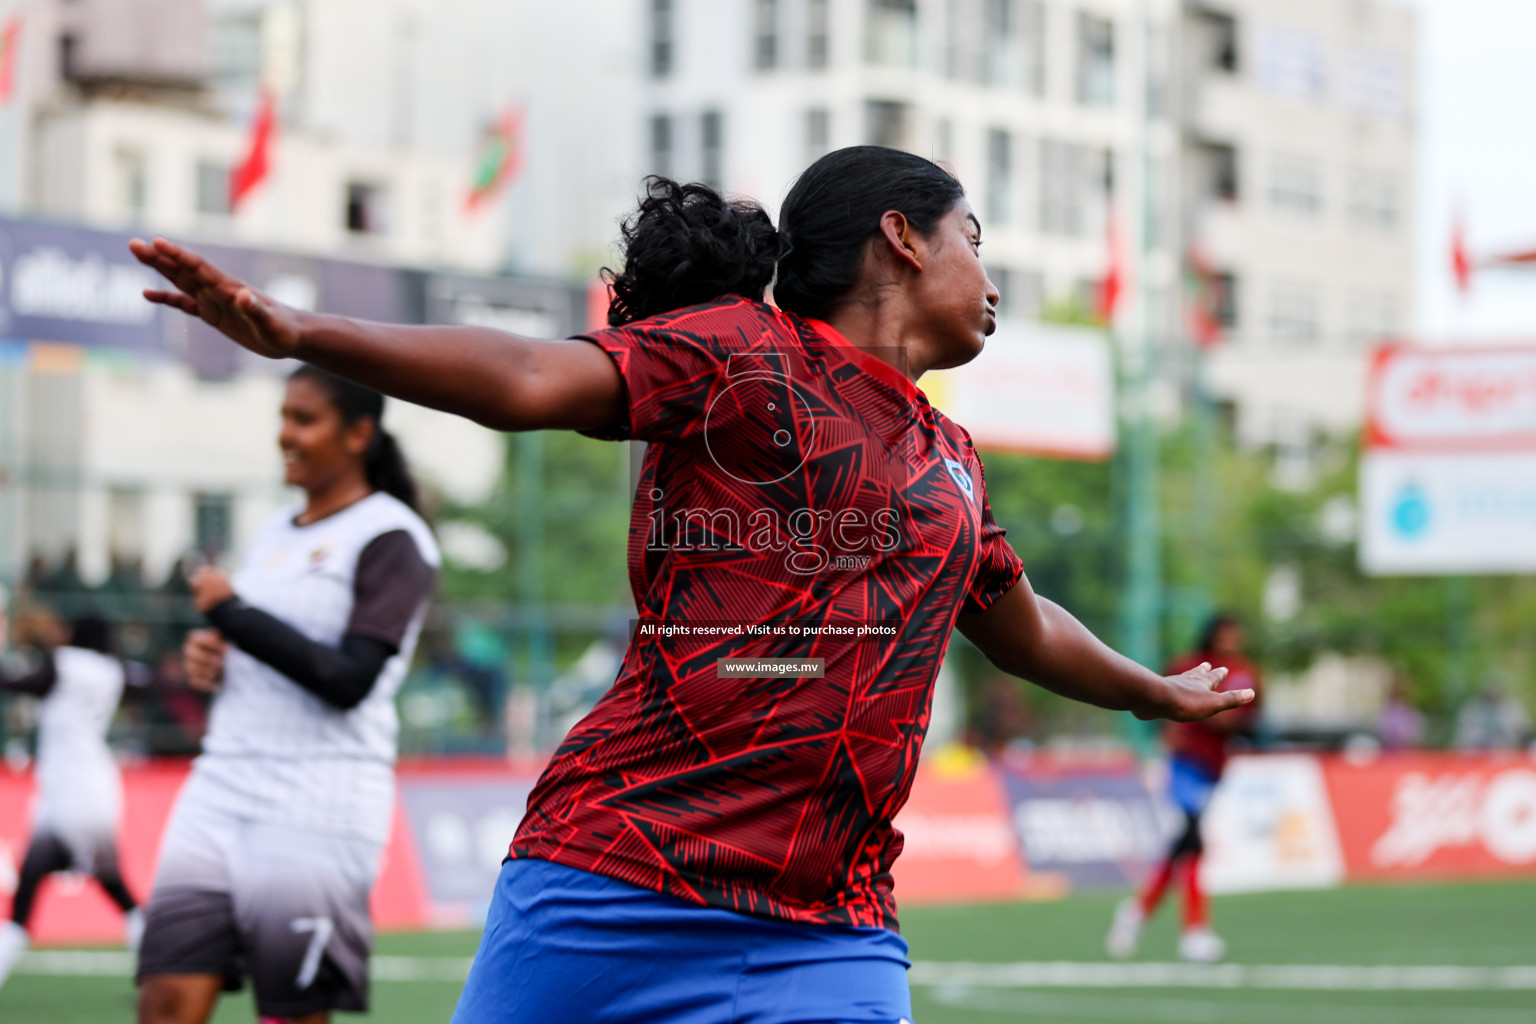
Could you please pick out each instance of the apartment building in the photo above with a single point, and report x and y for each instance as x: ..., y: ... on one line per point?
x: 1298, y: 193
x: 1264, y: 147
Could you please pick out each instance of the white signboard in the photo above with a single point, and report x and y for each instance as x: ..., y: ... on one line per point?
x: 1449, y: 400
x: 1448, y: 479
x: 1426, y: 513
x: 1035, y: 389
x: 1270, y: 826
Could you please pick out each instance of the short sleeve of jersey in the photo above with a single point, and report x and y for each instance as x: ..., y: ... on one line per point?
x: 998, y: 566
x: 391, y: 583
x: 669, y: 375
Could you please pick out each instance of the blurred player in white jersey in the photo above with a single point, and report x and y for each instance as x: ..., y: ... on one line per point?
x: 272, y: 850
x: 79, y: 791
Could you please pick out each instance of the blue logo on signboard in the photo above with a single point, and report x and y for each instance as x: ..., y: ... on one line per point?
x: 1410, y: 513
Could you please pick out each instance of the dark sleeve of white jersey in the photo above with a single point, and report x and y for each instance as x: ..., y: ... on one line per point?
x: 390, y: 584
x: 34, y: 674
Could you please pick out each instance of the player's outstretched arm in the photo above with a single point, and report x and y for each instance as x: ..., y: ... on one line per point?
x: 1028, y: 636
x: 496, y: 379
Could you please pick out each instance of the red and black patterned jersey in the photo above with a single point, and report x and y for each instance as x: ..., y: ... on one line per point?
x: 799, y: 499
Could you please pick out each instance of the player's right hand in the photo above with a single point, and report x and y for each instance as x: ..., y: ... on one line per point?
x: 1195, y: 695
x: 203, y: 657
x: 223, y: 301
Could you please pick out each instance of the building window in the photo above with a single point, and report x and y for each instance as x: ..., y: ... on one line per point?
x: 1372, y: 199
x: 1002, y: 280
x: 1295, y: 315
x: 944, y: 140
x: 999, y: 60
x: 1095, y: 60
x: 891, y: 33
x: 365, y: 211
x: 133, y: 178
x: 213, y: 524
x: 235, y: 51
x: 661, y: 145
x: 818, y: 134
x: 661, y: 38
x: 1032, y: 49
x: 1296, y: 185
x: 1372, y: 319
x: 1219, y: 35
x: 765, y: 35
x: 213, y: 188
x: 712, y: 143
x: 1224, y: 300
x: 999, y: 176
x: 1063, y: 187
x: 886, y: 123
x: 955, y: 40
x: 1221, y: 171
x: 818, y: 36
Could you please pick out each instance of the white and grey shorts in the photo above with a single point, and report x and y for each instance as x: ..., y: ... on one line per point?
x: 237, y: 897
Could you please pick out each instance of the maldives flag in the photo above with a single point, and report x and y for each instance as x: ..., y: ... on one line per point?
x: 10, y: 36
x: 1461, y: 260
x: 500, y: 158
x: 1205, y: 287
x: 253, y: 169
x: 1113, y: 283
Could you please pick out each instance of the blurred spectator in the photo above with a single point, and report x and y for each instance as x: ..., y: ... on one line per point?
x: 999, y: 717
x: 62, y: 584
x: 1400, y: 726
x: 1492, y: 720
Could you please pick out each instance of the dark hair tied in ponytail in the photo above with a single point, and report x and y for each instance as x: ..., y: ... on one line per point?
x: 383, y: 462
x: 688, y: 245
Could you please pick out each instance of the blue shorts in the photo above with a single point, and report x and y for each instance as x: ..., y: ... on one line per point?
x: 567, y: 945
x: 1189, y: 786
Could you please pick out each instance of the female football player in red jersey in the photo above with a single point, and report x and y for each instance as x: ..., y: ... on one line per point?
x: 1197, y: 756
x: 714, y: 841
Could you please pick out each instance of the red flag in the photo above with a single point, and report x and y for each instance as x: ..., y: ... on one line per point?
x: 252, y: 170
x: 1205, y: 285
x: 500, y: 158
x: 1461, y: 261
x: 1509, y: 258
x: 1113, y: 282
x: 10, y: 37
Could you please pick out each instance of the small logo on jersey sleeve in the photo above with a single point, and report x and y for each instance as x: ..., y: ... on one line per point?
x: 962, y: 477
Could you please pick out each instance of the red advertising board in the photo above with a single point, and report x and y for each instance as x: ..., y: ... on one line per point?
x: 1452, y: 400
x: 959, y: 839
x: 1429, y: 815
x: 1412, y: 816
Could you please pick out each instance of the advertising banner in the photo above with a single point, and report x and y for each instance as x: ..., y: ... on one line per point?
x: 1096, y: 829
x: 461, y: 823
x: 1448, y: 477
x: 68, y: 284
x: 1434, y: 513
x: 1270, y: 827
x: 1429, y: 815
x: 959, y: 845
x: 1035, y: 389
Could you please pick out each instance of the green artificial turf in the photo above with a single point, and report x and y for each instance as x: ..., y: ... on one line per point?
x: 1484, y: 925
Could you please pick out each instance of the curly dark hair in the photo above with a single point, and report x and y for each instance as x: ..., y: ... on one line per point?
x: 688, y: 244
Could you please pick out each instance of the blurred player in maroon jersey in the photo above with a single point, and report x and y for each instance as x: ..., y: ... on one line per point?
x: 1197, y: 756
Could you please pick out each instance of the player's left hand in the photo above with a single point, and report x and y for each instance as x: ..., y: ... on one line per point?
x: 1193, y: 695
x: 210, y: 588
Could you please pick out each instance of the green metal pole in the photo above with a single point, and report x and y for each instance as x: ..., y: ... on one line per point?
x: 1140, y: 606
